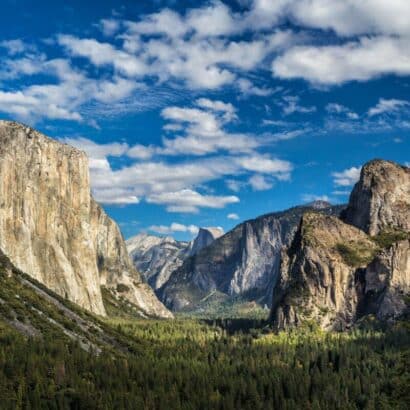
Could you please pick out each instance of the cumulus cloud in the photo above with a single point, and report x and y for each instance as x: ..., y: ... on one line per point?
x: 109, y: 26
x: 291, y: 104
x: 174, y: 227
x: 178, y: 184
x: 200, y: 131
x: 15, y: 46
x: 102, y: 54
x: 347, y: 177
x: 260, y: 183
x: 188, y: 200
x: 359, y: 60
x: 387, y: 106
x: 207, y: 47
x: 233, y: 216
x: 335, y: 108
x: 264, y: 164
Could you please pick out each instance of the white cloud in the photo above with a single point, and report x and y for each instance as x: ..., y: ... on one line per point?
x: 27, y: 104
x: 16, y: 46
x: 347, y: 177
x: 202, y: 130
x: 260, y: 183
x: 98, y: 151
x: 387, y: 106
x: 290, y: 105
x: 233, y: 216
x: 359, y: 60
x: 227, y: 109
x: 103, y: 54
x: 174, y: 227
x: 263, y: 164
x: 234, y: 185
x: 350, y: 17
x: 188, y: 200
x: 335, y: 108
x: 115, y: 196
x: 109, y: 26
x: 247, y: 88
x: 341, y: 193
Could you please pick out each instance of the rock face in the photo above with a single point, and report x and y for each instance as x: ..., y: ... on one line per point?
x: 51, y: 228
x: 334, y: 273
x: 318, y: 274
x: 157, y: 257
x: 204, y: 238
x: 381, y: 198
x: 242, y: 263
x: 388, y: 282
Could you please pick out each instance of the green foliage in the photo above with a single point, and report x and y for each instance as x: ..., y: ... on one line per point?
x: 387, y: 238
x: 189, y: 364
x: 356, y: 254
x: 185, y: 363
x: 122, y: 288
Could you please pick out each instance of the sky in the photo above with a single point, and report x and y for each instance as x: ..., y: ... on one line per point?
x: 208, y: 113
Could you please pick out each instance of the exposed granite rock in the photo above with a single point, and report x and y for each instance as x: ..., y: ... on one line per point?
x: 381, y: 198
x: 157, y: 257
x: 242, y: 263
x: 319, y: 274
x: 387, y: 282
x: 204, y: 238
x: 334, y: 273
x: 51, y: 228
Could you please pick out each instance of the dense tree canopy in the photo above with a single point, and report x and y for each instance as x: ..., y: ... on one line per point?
x: 187, y: 364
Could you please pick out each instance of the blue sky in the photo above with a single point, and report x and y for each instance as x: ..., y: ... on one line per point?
x: 209, y: 113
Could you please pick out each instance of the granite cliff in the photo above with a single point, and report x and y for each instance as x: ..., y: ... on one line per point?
x: 52, y: 229
x: 241, y: 265
x: 338, y: 271
x: 157, y: 257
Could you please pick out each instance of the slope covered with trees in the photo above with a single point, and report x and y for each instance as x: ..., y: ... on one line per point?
x: 192, y: 365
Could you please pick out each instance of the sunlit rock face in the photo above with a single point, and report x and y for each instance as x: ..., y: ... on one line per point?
x: 157, y: 257
x: 337, y: 271
x: 204, y: 238
x: 51, y: 228
x: 242, y: 263
x: 317, y: 281
x: 381, y: 198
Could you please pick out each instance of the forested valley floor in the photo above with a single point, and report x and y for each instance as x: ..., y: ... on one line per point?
x: 190, y: 364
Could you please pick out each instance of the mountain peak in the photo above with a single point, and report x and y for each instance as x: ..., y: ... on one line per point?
x: 381, y: 198
x: 205, y: 237
x: 319, y: 204
x: 61, y: 236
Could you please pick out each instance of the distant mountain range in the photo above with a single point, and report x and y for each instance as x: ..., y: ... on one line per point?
x: 157, y: 257
x: 331, y: 265
x: 261, y: 262
x: 238, y: 267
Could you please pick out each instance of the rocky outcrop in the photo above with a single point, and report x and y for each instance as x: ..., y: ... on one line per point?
x: 157, y: 257
x: 204, y: 238
x: 387, y: 282
x: 335, y: 273
x: 319, y: 274
x: 51, y: 228
x: 381, y: 198
x: 242, y: 263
